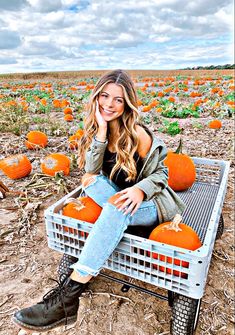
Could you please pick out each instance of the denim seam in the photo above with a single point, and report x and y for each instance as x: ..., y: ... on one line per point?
x: 147, y: 207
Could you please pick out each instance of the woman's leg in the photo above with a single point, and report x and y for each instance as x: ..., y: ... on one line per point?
x: 59, y: 306
x: 100, y: 192
x: 109, y: 227
x: 99, y: 188
x: 102, y: 240
x: 107, y: 233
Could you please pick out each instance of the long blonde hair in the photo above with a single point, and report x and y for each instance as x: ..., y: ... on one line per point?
x: 127, y: 143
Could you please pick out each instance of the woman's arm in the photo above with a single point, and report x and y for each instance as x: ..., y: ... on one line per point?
x: 94, y: 156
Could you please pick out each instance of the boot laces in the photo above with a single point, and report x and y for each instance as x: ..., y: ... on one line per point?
x: 55, y: 294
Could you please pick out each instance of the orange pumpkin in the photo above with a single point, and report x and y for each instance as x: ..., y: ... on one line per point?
x: 54, y: 163
x: 16, y: 166
x: 177, y: 234
x: 36, y: 139
x: 64, y: 103
x: 68, y: 110
x: 79, y: 133
x: 215, y: 124
x: 73, y: 142
x: 181, y: 169
x: 146, y: 108
x: 68, y: 117
x: 56, y: 103
x: 82, y: 208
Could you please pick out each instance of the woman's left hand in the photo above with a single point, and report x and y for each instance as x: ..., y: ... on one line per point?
x: 133, y: 197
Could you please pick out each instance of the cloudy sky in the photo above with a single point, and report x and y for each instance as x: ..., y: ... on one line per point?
x: 63, y: 35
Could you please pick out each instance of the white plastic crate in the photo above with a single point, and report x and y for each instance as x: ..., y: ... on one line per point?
x: 173, y: 268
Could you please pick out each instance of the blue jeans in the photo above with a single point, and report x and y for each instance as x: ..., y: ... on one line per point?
x: 109, y: 228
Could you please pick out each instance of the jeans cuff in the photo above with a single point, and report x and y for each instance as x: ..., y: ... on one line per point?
x: 84, y: 270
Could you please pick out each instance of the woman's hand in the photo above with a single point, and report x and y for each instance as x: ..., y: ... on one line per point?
x: 100, y: 120
x: 133, y: 197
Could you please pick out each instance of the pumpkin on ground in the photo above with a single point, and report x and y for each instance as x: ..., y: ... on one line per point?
x: 82, y: 208
x: 68, y: 110
x: 215, y: 124
x: 177, y: 234
x: 79, y: 133
x: 73, y: 142
x: 74, y: 139
x: 181, y: 169
x: 68, y: 117
x: 36, y: 139
x: 54, y: 163
x: 16, y: 166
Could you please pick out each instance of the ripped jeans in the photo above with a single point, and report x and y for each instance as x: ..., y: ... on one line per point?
x: 110, y: 226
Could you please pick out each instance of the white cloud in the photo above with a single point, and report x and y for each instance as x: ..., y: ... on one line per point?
x: 55, y: 17
x: 43, y: 6
x: 82, y: 34
x: 159, y: 39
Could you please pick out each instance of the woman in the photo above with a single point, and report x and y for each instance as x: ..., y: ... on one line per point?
x: 126, y: 176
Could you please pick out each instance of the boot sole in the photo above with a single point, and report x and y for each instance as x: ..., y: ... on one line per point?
x: 70, y: 319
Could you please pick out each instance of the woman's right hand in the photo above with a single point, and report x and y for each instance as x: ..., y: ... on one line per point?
x: 100, y: 120
x: 102, y: 124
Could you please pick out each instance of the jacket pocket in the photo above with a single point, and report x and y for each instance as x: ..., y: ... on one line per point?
x: 169, y: 204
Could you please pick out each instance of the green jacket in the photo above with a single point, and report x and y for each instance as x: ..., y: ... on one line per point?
x: 152, y: 179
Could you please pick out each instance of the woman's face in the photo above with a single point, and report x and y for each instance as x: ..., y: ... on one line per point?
x: 111, y: 102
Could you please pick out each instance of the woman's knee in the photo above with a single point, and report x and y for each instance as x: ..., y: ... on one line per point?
x: 88, y: 179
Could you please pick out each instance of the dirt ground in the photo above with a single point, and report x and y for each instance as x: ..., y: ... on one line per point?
x: 26, y: 262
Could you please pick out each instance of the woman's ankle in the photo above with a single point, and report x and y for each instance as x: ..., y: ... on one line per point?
x: 80, y: 279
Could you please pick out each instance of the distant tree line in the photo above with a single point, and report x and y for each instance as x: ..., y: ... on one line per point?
x: 212, y: 67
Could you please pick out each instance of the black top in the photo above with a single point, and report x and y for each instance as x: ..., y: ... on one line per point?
x: 120, y: 175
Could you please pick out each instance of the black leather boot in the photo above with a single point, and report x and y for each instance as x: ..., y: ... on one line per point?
x: 58, y: 307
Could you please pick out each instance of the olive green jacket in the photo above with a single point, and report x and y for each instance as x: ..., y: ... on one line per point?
x: 152, y: 179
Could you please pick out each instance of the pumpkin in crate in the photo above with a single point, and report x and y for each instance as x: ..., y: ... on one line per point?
x: 82, y: 208
x: 36, y: 139
x: 177, y: 234
x: 181, y: 169
x: 16, y: 166
x: 54, y: 163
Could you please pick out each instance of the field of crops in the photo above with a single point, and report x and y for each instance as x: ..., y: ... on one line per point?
x: 195, y: 106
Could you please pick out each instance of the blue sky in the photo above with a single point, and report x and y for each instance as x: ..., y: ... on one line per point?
x: 70, y: 35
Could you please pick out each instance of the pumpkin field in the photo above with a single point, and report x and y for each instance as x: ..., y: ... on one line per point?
x: 41, y: 123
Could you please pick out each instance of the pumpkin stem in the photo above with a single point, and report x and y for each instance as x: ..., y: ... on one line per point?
x: 180, y: 146
x: 174, y: 225
x: 67, y: 201
x: 4, y: 187
x: 77, y: 202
